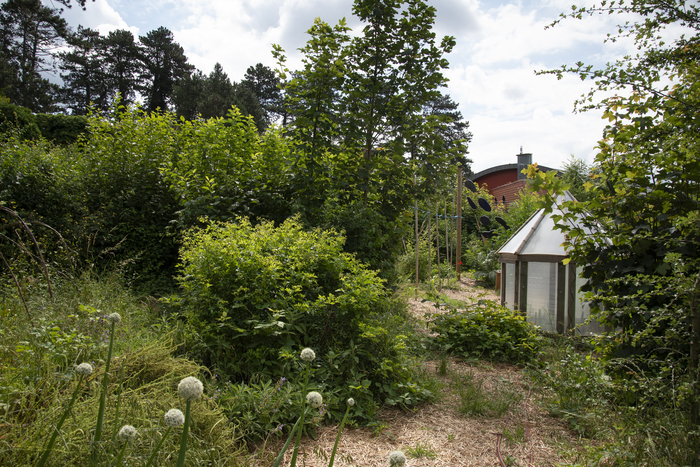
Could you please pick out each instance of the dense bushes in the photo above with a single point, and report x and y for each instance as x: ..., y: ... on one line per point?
x: 60, y: 129
x: 254, y: 296
x: 486, y: 330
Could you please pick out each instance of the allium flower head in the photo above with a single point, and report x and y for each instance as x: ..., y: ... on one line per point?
x: 190, y: 388
x: 114, y: 318
x: 397, y: 458
x: 84, y: 369
x: 314, y: 399
x: 174, y: 417
x: 351, y: 402
x: 308, y: 355
x: 127, y: 433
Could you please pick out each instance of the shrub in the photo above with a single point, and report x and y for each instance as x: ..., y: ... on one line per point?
x: 487, y: 330
x: 62, y: 129
x: 254, y: 296
x: 14, y: 118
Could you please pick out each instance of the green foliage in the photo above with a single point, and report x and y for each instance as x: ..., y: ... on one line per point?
x: 37, y: 378
x: 421, y: 450
x: 370, y: 236
x: 487, y: 330
x: 262, y: 409
x: 19, y: 119
x: 254, y: 296
x: 480, y: 252
x: 223, y: 168
x: 61, y: 129
x: 638, y: 413
x: 637, y: 236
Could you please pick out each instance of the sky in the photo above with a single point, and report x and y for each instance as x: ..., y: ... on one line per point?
x: 500, y: 45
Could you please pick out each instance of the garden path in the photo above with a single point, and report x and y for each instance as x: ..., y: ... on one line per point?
x: 437, y: 435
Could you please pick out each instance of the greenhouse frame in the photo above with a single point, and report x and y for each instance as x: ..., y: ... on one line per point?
x: 536, y: 280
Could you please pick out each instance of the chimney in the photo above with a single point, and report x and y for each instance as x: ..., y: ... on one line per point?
x: 523, y: 161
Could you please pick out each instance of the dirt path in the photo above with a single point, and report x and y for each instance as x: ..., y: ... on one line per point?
x: 438, y: 435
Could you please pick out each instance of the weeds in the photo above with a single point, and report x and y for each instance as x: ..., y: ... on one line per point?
x: 478, y: 398
x: 421, y: 450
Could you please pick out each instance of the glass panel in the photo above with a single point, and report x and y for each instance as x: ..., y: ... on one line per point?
x: 510, y: 285
x: 541, y: 294
x: 545, y: 240
x: 583, y: 309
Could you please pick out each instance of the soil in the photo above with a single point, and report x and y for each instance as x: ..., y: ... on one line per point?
x: 438, y: 435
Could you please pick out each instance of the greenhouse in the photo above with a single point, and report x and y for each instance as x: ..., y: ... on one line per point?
x: 535, y: 279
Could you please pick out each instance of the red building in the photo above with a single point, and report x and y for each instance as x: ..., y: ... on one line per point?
x: 506, y: 181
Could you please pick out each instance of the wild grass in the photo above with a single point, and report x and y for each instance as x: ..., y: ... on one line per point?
x: 37, y: 363
x: 480, y: 398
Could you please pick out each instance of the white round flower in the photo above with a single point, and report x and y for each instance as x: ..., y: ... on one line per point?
x: 314, y: 399
x: 84, y: 369
x: 190, y: 388
x: 127, y: 433
x: 397, y: 458
x: 114, y: 318
x: 351, y: 402
x: 174, y: 417
x: 308, y: 355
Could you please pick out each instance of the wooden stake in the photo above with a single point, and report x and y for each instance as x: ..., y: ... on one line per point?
x: 458, y: 259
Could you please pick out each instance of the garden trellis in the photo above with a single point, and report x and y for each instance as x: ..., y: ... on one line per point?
x: 536, y: 279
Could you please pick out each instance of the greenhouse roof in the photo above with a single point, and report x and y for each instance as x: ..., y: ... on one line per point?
x: 536, y: 239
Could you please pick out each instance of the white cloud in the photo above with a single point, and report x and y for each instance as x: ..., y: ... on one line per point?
x: 98, y: 15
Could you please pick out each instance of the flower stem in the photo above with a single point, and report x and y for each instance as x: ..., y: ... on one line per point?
x: 183, y: 440
x: 155, y: 451
x: 101, y: 412
x: 301, y: 425
x: 121, y: 455
x: 280, y: 456
x: 337, y: 438
x: 119, y: 399
x: 49, y: 446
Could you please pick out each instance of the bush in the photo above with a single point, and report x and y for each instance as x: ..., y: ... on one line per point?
x: 14, y: 118
x: 254, y: 296
x: 62, y: 129
x: 487, y: 330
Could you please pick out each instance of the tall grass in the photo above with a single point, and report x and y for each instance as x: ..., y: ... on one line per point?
x: 637, y: 417
x: 37, y: 362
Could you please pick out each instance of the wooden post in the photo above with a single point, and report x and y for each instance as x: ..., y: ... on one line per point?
x: 437, y: 239
x: 516, y: 286
x: 573, y: 297
x: 504, y: 283
x: 561, y: 297
x: 522, y: 299
x: 458, y: 256
x: 416, y: 244
x: 430, y: 247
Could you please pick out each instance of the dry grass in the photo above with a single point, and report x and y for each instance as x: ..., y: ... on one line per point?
x: 444, y: 436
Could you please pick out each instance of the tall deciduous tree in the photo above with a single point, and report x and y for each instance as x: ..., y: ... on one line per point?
x: 314, y: 100
x: 638, y: 236
x: 31, y: 34
x: 359, y: 121
x: 165, y: 64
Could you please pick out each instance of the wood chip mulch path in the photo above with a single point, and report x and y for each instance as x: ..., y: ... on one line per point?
x: 444, y: 436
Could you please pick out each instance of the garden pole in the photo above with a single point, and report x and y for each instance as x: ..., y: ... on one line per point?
x: 458, y: 256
